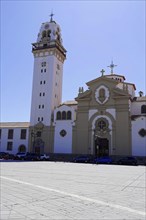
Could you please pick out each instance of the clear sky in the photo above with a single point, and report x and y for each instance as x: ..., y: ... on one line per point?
x: 93, y: 33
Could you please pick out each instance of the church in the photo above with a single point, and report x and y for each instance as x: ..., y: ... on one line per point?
x: 105, y: 120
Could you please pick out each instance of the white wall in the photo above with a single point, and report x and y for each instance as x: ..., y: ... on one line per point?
x: 16, y: 140
x: 138, y: 142
x: 136, y: 107
x: 63, y: 144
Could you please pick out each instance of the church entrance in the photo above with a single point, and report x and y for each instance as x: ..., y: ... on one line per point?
x: 101, y: 147
x: 38, y: 146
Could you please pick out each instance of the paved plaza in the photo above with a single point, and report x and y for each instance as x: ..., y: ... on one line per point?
x: 57, y: 190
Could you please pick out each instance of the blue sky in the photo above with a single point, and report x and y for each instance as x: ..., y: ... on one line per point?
x: 93, y: 33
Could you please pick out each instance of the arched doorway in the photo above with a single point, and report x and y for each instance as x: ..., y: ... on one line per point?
x: 38, y: 146
x: 22, y: 149
x: 101, y: 147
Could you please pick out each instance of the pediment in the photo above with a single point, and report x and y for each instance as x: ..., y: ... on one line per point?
x: 100, y: 80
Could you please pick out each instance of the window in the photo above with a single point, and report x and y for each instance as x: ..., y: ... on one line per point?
x: 40, y: 94
x: 63, y: 133
x: 9, y: 145
x: 63, y: 115
x: 43, y: 64
x: 42, y: 119
x: 41, y: 70
x: 58, y: 117
x: 39, y: 106
x: 143, y: 109
x: 48, y: 33
x: 43, y: 93
x: 58, y: 67
x: 23, y: 134
x: 10, y: 133
x: 44, y: 34
x: 44, y: 81
x: 0, y: 133
x: 40, y: 82
x: 38, y: 118
x: 69, y: 115
x: 45, y: 70
x: 22, y: 149
x: 42, y: 106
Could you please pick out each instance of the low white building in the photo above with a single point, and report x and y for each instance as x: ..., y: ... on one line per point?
x: 14, y: 137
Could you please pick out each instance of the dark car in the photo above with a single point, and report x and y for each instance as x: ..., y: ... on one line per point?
x: 4, y: 155
x: 103, y: 160
x: 32, y: 157
x: 127, y: 161
x: 82, y: 159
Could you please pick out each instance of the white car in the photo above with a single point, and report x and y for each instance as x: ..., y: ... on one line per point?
x: 21, y: 155
x: 44, y: 157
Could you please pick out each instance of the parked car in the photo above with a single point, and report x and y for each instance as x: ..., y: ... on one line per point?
x: 3, y: 155
x: 32, y: 157
x: 127, y: 161
x: 11, y: 157
x: 103, y: 160
x: 20, y: 156
x: 44, y: 157
x: 81, y: 159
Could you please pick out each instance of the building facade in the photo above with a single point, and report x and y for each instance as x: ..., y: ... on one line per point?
x: 106, y: 119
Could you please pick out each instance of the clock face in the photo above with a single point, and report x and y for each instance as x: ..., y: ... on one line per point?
x: 102, y: 94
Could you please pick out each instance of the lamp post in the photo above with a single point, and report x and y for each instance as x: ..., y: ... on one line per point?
x: 33, y: 135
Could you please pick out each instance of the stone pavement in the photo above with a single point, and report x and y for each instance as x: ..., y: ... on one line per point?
x: 57, y: 190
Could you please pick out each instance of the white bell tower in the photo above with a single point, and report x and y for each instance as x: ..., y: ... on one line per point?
x: 49, y: 55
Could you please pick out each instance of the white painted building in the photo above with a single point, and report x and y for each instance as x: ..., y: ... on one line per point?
x: 107, y: 118
x: 14, y: 137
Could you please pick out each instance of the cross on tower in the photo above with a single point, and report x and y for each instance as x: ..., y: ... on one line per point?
x: 112, y: 65
x: 51, y: 15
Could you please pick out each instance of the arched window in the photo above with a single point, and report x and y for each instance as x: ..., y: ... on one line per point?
x: 48, y: 33
x: 69, y: 115
x: 44, y: 34
x: 58, y: 117
x: 63, y: 115
x: 22, y: 148
x: 143, y: 109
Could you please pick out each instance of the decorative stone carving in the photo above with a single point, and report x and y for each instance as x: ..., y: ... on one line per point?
x: 102, y: 94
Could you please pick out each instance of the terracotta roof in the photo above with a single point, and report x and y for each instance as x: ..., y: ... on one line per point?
x: 115, y: 75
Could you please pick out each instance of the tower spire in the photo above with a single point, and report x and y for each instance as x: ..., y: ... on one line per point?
x: 112, y: 65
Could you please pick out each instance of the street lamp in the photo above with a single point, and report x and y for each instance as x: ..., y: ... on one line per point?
x: 33, y: 136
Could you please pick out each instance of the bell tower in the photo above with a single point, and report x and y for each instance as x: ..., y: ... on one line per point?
x: 49, y: 55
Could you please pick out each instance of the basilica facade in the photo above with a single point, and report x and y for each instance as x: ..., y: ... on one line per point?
x: 106, y: 119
